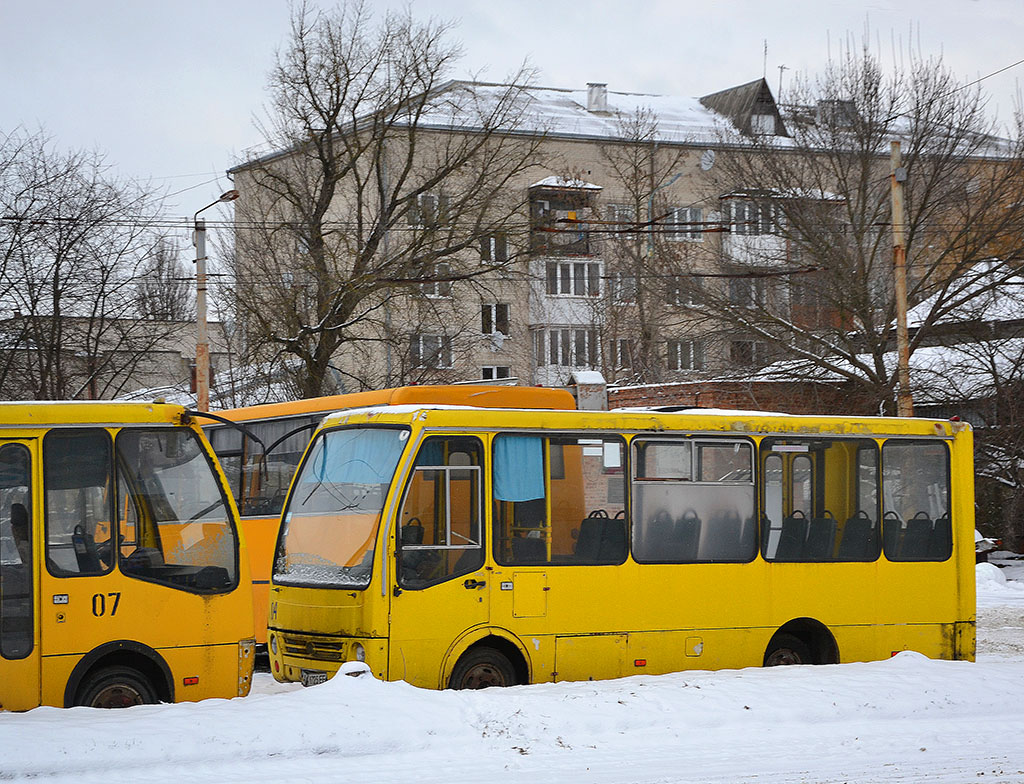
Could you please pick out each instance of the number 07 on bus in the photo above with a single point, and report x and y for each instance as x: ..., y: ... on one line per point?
x: 460, y: 547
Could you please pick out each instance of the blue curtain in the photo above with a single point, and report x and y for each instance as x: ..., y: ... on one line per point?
x: 357, y: 456
x: 518, y: 468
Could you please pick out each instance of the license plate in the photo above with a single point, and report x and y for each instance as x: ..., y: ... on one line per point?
x: 313, y: 677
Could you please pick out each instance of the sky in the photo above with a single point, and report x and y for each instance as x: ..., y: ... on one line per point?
x: 168, y: 91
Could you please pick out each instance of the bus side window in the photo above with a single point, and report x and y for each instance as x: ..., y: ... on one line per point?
x: 78, y: 487
x: 16, y: 603
x: 439, y: 533
x: 915, y: 501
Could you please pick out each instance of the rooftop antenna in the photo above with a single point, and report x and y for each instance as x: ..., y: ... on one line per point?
x: 781, y: 69
x: 764, y: 70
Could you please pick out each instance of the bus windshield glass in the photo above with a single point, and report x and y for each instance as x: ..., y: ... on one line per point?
x: 330, y: 524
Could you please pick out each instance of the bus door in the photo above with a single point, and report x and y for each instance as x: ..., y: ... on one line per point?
x: 441, y: 588
x: 19, y: 645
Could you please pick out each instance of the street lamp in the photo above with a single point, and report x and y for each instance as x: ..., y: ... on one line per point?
x: 202, y: 341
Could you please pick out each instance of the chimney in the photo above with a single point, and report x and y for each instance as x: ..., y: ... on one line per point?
x: 597, y: 97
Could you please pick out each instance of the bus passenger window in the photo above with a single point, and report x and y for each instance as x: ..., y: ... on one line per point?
x: 77, y: 484
x: 915, y: 501
x: 16, y: 622
x: 817, y: 499
x: 559, y: 500
x: 439, y: 534
x: 708, y: 518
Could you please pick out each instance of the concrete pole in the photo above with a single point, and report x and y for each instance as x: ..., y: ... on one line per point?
x: 904, y: 401
x: 202, y: 338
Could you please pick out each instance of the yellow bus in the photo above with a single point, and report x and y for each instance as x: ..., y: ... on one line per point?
x: 463, y: 548
x: 123, y: 578
x: 261, y: 459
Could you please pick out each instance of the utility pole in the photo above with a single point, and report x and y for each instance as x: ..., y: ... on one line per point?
x: 202, y: 340
x: 898, y: 175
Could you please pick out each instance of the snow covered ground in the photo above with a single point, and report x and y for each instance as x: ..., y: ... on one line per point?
x: 907, y: 719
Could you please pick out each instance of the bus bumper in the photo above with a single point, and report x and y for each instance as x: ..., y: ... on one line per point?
x: 310, y: 659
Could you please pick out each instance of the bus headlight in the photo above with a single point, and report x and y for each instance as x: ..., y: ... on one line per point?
x: 359, y: 651
x: 273, y: 644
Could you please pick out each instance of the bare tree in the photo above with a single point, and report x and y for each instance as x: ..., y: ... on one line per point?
x: 646, y: 249
x: 74, y: 239
x: 809, y: 254
x: 387, y: 177
x: 165, y: 288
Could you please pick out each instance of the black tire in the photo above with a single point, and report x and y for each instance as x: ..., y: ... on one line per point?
x: 786, y: 649
x: 116, y: 687
x: 481, y: 668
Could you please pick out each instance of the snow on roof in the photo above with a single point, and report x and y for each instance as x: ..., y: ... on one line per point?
x: 563, y: 182
x: 563, y: 112
x: 1003, y: 301
x: 588, y: 377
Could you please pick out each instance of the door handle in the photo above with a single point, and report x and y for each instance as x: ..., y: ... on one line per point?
x: 471, y: 583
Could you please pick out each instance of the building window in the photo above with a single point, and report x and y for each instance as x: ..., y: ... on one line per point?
x: 685, y: 355
x: 684, y: 223
x: 748, y: 292
x: 748, y: 352
x: 430, y: 351
x: 567, y: 346
x: 428, y: 210
x: 747, y: 217
x: 579, y: 279
x: 622, y: 220
x: 762, y: 124
x: 494, y: 372
x: 625, y: 353
x: 494, y: 318
x: 440, y: 284
x: 494, y: 249
x: 623, y: 287
x: 683, y: 290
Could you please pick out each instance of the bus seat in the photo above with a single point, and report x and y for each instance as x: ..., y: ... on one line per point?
x: 892, y: 532
x: 858, y: 540
x: 940, y: 545
x: 792, y: 537
x: 613, y: 543
x: 526, y: 550
x: 601, y: 539
x: 685, y: 541
x: 723, y: 537
x: 821, y: 537
x: 85, y: 551
x: 915, y: 540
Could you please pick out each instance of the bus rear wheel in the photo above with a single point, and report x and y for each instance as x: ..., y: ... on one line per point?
x: 481, y: 668
x: 116, y: 687
x: 786, y: 649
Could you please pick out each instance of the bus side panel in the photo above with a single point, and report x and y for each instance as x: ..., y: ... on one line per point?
x: 213, y: 666
x: 260, y: 539
x: 79, y: 614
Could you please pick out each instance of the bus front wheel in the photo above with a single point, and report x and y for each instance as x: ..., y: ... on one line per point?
x: 786, y: 649
x: 480, y: 668
x: 116, y: 687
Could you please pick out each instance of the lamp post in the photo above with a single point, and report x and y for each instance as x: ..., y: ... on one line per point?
x: 202, y: 340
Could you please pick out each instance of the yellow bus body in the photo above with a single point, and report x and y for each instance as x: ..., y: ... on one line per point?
x: 557, y: 622
x: 186, y: 645
x: 261, y: 529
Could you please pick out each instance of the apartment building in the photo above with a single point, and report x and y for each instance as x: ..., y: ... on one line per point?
x: 629, y: 227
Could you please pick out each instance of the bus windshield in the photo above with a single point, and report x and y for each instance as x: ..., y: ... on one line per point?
x: 330, y: 523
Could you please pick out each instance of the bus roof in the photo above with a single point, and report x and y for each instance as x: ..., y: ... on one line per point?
x: 477, y: 396
x: 75, y: 412
x: 694, y: 420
